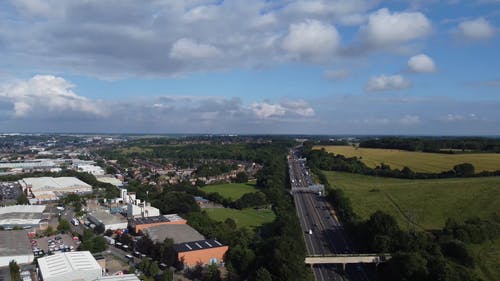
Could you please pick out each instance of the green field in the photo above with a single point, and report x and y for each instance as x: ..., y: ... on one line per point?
x: 134, y: 149
x: 231, y: 191
x: 487, y: 257
x: 418, y: 161
x: 428, y: 203
x: 249, y: 218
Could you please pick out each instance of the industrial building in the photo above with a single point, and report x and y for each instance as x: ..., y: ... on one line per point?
x: 179, y: 233
x: 201, y: 252
x: 15, y: 245
x: 138, y: 224
x: 113, y: 222
x: 122, y: 277
x: 26, y: 216
x: 69, y: 266
x: 88, y: 168
x: 136, y: 208
x: 45, y: 189
x: 110, y: 179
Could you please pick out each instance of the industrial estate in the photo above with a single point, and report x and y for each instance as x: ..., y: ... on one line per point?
x: 289, y: 208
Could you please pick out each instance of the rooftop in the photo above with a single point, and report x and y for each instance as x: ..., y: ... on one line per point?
x: 180, y: 233
x: 197, y: 245
x: 107, y: 218
x: 14, y: 243
x: 124, y: 277
x: 58, y: 264
x: 50, y: 183
x: 157, y: 219
x: 21, y: 214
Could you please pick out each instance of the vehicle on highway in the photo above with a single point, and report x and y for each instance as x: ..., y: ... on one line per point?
x: 75, y: 222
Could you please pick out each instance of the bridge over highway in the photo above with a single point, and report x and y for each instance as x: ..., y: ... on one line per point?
x: 347, y: 258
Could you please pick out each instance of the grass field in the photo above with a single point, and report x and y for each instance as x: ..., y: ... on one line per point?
x: 134, y: 149
x: 429, y: 203
x: 249, y: 218
x: 231, y: 190
x: 418, y: 161
x: 487, y: 257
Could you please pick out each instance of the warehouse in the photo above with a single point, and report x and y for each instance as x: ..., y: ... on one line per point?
x: 26, y: 216
x: 138, y: 224
x: 113, y: 222
x: 69, y: 266
x: 122, y: 277
x: 179, y: 233
x: 45, y: 189
x: 201, y: 252
x: 15, y: 245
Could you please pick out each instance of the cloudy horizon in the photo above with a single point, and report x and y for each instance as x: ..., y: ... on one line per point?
x: 261, y: 67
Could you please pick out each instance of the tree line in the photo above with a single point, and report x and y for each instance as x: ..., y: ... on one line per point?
x: 435, y: 144
x: 323, y: 160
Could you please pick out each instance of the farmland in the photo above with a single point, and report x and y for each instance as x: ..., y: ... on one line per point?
x: 417, y: 161
x: 250, y: 218
x: 487, y: 257
x: 231, y: 191
x: 428, y: 203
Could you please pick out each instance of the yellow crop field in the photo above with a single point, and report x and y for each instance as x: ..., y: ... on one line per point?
x: 417, y: 161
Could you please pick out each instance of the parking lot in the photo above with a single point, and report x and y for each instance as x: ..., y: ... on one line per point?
x: 9, y: 191
x: 54, y: 244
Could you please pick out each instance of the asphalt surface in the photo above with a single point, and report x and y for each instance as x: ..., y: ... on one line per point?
x: 316, y: 216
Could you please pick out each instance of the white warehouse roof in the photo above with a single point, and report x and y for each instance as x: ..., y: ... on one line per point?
x: 50, y: 183
x: 124, y: 277
x: 21, y: 215
x: 69, y: 266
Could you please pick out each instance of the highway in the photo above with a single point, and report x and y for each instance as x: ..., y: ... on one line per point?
x: 323, y: 233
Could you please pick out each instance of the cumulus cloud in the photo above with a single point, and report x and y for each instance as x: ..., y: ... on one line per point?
x: 478, y: 29
x: 421, y: 64
x: 187, y: 49
x: 45, y: 95
x: 410, y: 120
x: 387, y: 83
x: 266, y: 109
x: 388, y: 29
x: 336, y: 74
x: 312, y: 40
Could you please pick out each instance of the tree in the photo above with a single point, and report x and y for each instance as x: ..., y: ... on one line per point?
x: 464, y: 170
x: 22, y: 199
x: 263, y: 275
x: 213, y: 273
x: 241, y: 177
x: 15, y: 275
x: 167, y: 275
x: 50, y: 231
x: 153, y: 269
x: 63, y: 225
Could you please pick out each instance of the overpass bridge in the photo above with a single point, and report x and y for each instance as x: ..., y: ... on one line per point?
x: 347, y: 259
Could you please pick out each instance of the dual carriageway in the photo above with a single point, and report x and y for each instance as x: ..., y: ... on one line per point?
x: 329, y: 250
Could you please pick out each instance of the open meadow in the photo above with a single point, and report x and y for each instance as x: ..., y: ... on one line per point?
x: 417, y: 161
x: 428, y: 203
x: 249, y: 218
x: 231, y: 191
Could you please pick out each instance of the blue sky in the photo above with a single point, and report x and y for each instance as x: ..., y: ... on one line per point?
x: 285, y: 66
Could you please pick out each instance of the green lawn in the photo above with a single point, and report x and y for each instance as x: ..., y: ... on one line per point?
x: 417, y: 161
x: 249, y: 218
x: 231, y: 191
x: 429, y: 203
x: 487, y: 257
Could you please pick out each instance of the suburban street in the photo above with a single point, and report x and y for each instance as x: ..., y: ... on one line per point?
x: 323, y: 233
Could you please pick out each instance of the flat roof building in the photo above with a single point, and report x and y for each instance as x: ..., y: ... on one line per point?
x: 138, y: 224
x: 15, y: 245
x: 44, y: 189
x: 22, y: 215
x: 109, y: 221
x: 123, y: 277
x: 69, y: 266
x: 179, y: 233
x: 201, y: 252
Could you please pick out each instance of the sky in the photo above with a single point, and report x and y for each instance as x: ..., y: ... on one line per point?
x: 409, y: 67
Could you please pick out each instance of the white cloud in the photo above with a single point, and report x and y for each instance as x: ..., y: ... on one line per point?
x: 410, y: 120
x: 459, y: 117
x: 43, y: 95
x: 188, y: 49
x: 265, y: 110
x: 336, y: 74
x: 386, y: 29
x: 387, y: 83
x: 478, y: 29
x: 312, y: 40
x: 421, y: 64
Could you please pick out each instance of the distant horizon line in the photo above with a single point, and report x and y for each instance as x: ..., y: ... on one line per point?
x: 246, y: 134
